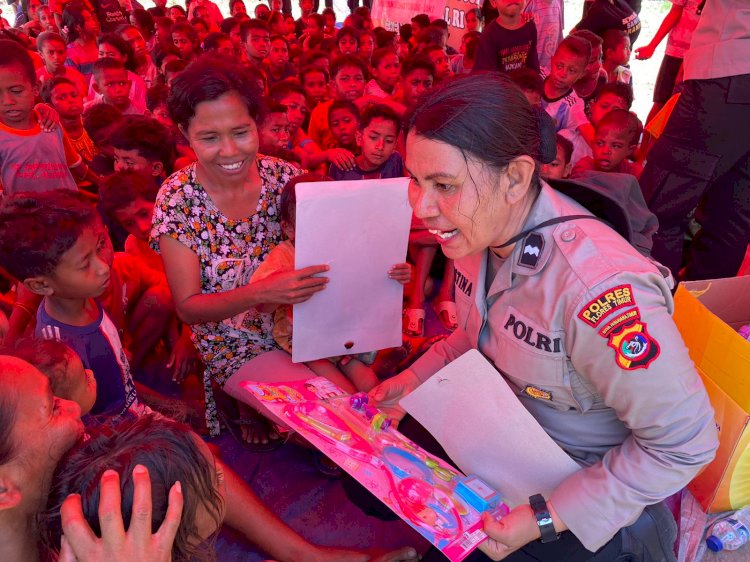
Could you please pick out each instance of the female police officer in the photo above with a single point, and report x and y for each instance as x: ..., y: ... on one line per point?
x: 573, y: 316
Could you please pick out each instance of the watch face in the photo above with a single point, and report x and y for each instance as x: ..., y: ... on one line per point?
x: 544, y: 521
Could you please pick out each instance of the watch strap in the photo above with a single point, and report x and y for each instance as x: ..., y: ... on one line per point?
x: 543, y: 518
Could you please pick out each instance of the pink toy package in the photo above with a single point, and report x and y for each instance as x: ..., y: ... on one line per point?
x: 434, y: 498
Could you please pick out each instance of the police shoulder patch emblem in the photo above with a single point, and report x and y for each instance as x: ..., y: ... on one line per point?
x: 634, y: 347
x: 595, y: 311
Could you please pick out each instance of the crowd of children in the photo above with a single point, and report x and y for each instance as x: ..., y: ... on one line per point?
x: 90, y: 129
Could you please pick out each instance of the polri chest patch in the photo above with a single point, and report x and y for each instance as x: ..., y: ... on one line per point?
x: 529, y: 333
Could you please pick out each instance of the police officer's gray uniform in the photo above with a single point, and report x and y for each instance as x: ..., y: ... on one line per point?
x: 579, y: 324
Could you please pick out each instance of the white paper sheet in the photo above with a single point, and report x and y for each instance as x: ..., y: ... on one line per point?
x: 472, y: 412
x: 360, y: 229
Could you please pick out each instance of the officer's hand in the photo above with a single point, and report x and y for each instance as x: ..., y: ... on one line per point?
x: 387, y: 394
x: 513, y: 531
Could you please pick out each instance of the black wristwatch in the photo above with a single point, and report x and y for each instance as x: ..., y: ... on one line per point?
x: 543, y: 518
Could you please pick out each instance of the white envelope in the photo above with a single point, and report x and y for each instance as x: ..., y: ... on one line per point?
x: 473, y: 413
x: 360, y: 229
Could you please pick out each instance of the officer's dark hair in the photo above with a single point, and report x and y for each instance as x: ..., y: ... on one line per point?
x: 208, y: 79
x: 494, y: 128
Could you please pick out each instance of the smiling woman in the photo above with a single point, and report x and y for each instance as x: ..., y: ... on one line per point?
x: 216, y: 221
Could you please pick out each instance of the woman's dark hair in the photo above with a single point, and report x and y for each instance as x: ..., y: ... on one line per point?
x: 169, y: 452
x: 121, y: 45
x: 493, y: 128
x: 72, y: 18
x: 144, y: 20
x: 207, y: 79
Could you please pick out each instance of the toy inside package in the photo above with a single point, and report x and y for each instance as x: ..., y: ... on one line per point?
x: 434, y: 498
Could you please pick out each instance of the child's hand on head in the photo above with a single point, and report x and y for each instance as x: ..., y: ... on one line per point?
x: 401, y: 272
x: 48, y: 118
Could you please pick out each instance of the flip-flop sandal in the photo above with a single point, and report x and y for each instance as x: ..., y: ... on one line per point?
x: 446, y: 313
x: 414, y: 321
x: 235, y: 429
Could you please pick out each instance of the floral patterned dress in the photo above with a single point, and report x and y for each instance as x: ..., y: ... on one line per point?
x: 229, y: 251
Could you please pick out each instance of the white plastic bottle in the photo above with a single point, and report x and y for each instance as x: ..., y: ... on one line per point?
x: 730, y: 533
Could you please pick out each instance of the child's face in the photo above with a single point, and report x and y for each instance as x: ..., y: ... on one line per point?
x: 175, y: 14
x: 184, y: 45
x: 388, y: 71
x: 296, y: 110
x: 621, y: 54
x: 567, y: 69
x: 557, y: 169
x: 81, y: 383
x: 67, y: 101
x: 53, y: 54
x: 610, y: 148
x: 225, y: 47
x: 136, y: 41
x: 17, y: 97
x: 274, y: 133
x: 45, y: 19
x: 276, y: 5
x: 442, y: 64
x: 415, y: 84
x: 472, y: 23
x: 378, y: 141
x: 161, y: 114
x: 82, y: 271
x: 348, y: 45
x: 604, y: 104
x: 107, y: 51
x: 315, y: 86
x: 90, y: 26
x: 343, y: 124
x: 201, y: 31
x: 114, y: 85
x: 595, y: 62
x: 306, y: 6
x: 313, y: 28
x: 133, y: 160
x: 258, y: 44
x: 349, y: 83
x: 235, y: 37
x: 238, y: 8
x: 330, y: 20
x: 289, y: 21
x: 534, y: 97
x: 279, y: 55
x: 135, y: 219
x: 366, y: 47
x: 508, y: 8
x: 224, y: 137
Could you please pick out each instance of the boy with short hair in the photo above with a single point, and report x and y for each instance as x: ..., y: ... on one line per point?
x: 53, y: 50
x: 30, y: 159
x: 110, y: 79
x: 143, y: 145
x: 273, y: 132
x: 376, y: 137
x: 256, y: 38
x: 343, y: 120
x: 417, y: 76
x: 437, y: 56
x: 559, y: 168
x: 348, y: 78
x: 386, y: 71
x: 616, y: 139
x: 558, y: 97
x: 278, y: 67
x: 509, y: 41
x: 616, y: 50
x: 315, y: 84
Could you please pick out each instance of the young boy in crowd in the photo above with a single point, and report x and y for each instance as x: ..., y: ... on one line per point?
x: 185, y: 39
x: 315, y: 85
x: 343, y: 120
x: 143, y: 145
x: 376, y: 138
x: 348, y: 78
x: 417, y: 76
x: 386, y: 72
x: 53, y: 50
x: 616, y: 49
x: 98, y: 121
x: 558, y: 97
x: 509, y: 42
x: 30, y: 159
x: 256, y: 38
x: 616, y: 139
x: 273, y: 132
x: 279, y: 68
x: 437, y: 56
x: 110, y: 79
x: 347, y: 41
x: 348, y: 372
x: 63, y: 95
x: 560, y: 167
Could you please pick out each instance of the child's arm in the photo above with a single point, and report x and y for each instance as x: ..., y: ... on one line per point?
x: 670, y: 20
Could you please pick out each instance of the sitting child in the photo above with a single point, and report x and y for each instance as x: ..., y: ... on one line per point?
x: 343, y: 120
x: 560, y: 167
x: 110, y: 80
x: 558, y: 97
x: 349, y: 373
x: 616, y: 140
x: 616, y: 50
x: 376, y: 138
x: 53, y: 50
x: 30, y: 159
x: 143, y: 145
x: 315, y: 84
x: 273, y: 132
x: 386, y: 72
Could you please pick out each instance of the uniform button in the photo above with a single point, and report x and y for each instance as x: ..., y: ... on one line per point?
x: 568, y: 236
